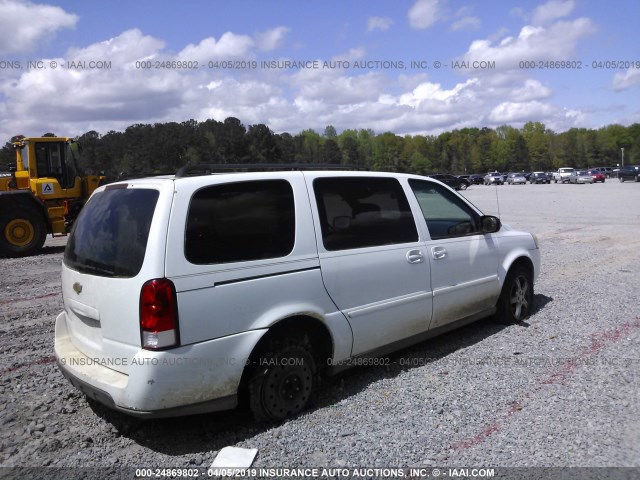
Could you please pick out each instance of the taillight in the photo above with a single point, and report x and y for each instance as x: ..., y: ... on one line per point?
x: 158, y: 314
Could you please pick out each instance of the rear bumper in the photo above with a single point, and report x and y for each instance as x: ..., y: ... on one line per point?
x: 187, y: 380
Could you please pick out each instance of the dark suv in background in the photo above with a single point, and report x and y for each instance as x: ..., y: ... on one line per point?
x: 630, y: 172
x: 452, y: 181
x: 539, y: 177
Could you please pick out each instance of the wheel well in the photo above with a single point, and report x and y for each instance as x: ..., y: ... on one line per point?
x: 299, y: 326
x: 522, y: 262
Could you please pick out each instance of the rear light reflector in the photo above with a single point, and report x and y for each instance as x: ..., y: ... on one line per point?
x: 158, y: 315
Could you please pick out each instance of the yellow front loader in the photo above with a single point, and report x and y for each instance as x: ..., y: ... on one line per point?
x: 43, y: 194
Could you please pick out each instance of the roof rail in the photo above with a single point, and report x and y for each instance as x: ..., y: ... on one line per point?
x: 132, y: 176
x: 210, y: 168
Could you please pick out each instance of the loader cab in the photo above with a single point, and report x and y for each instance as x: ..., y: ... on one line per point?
x: 48, y: 166
x: 56, y: 160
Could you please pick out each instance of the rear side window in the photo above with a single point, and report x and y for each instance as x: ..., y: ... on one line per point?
x: 240, y: 221
x: 363, y: 212
x: 110, y: 236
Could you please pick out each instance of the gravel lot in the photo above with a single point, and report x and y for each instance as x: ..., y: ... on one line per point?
x: 562, y: 389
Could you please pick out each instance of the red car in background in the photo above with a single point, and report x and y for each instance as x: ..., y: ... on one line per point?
x: 597, y: 175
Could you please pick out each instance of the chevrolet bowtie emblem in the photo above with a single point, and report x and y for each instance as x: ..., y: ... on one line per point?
x: 77, y: 288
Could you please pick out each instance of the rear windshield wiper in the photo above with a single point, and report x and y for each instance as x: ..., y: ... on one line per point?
x: 92, y: 267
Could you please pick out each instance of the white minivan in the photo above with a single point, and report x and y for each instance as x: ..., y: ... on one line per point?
x: 190, y: 293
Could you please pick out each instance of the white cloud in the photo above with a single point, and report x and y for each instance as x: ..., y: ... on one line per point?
x: 379, y: 23
x: 531, y: 90
x: 332, y: 87
x: 513, y: 112
x: 626, y: 80
x: 71, y: 102
x: 271, y: 39
x: 352, y: 54
x: 552, y: 10
x: 556, y: 42
x: 126, y: 48
x: 65, y: 100
x: 466, y: 23
x: 423, y: 14
x: 228, y: 46
x: 25, y: 25
x: 434, y: 91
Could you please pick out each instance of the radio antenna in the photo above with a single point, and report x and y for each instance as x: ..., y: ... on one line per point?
x: 495, y: 186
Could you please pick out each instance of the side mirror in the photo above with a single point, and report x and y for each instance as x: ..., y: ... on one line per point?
x: 490, y: 224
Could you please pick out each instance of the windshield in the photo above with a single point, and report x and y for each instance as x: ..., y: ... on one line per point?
x: 109, y: 238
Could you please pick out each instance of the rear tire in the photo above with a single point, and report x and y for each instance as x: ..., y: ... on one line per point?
x: 516, y: 299
x: 22, y: 233
x: 283, y: 381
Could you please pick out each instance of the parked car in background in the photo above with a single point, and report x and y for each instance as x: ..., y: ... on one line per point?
x: 580, y: 176
x: 539, y: 177
x: 597, y: 175
x: 516, y: 179
x: 452, y: 181
x: 563, y: 174
x: 629, y: 172
x: 493, y: 178
x: 526, y: 175
x: 608, y: 172
x: 476, y: 179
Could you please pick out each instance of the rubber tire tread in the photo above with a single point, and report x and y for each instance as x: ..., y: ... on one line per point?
x: 40, y: 233
x: 259, y: 378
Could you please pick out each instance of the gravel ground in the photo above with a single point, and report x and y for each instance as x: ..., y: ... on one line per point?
x: 562, y: 389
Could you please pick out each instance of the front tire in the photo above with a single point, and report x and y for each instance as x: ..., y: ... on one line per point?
x: 463, y: 186
x: 516, y: 299
x: 22, y: 233
x: 283, y: 382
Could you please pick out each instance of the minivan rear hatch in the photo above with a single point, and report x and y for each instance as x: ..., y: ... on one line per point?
x: 108, y: 258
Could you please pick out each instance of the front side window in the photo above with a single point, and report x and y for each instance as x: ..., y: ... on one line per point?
x: 240, y: 221
x: 358, y: 212
x: 446, y: 214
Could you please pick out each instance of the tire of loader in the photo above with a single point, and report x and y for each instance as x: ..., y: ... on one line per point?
x: 22, y: 233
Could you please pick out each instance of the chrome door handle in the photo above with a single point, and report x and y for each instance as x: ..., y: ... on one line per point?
x: 415, y: 256
x: 438, y: 253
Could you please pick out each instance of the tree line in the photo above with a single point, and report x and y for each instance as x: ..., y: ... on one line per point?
x: 164, y: 147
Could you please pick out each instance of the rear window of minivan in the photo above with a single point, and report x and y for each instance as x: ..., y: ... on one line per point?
x: 109, y: 238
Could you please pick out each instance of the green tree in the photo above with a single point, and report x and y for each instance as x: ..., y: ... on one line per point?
x: 536, y: 137
x: 331, y: 152
x: 348, y: 143
x: 387, y: 153
x: 330, y: 132
x: 262, y: 145
x: 309, y: 150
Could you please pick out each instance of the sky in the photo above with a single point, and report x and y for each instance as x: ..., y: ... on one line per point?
x: 413, y: 67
